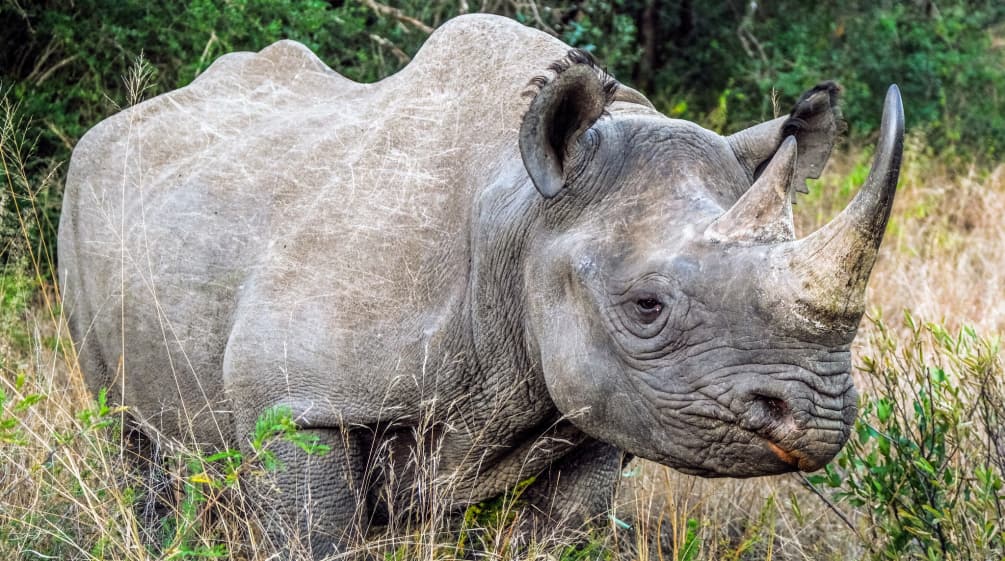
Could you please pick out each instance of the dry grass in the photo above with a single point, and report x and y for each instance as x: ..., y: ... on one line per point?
x: 942, y: 255
x: 68, y: 491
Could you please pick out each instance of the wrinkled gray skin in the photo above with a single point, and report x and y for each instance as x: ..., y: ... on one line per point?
x: 425, y: 259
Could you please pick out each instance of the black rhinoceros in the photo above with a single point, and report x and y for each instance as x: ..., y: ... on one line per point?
x: 499, y: 250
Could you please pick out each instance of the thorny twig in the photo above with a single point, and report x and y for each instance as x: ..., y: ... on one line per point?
x: 399, y: 54
x: 398, y: 15
x: 844, y: 518
x: 537, y: 16
x: 743, y: 31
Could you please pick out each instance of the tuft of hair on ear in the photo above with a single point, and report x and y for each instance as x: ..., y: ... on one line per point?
x: 572, y: 58
x: 821, y: 98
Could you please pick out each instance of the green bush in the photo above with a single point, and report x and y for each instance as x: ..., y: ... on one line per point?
x: 720, y: 63
x: 924, y: 467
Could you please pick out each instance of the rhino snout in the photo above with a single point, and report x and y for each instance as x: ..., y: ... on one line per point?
x: 803, y: 431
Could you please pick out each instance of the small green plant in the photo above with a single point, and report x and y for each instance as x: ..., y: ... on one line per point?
x: 480, y: 519
x: 924, y: 465
x: 692, y: 541
x: 274, y: 425
x: 206, y: 480
x: 11, y: 407
x: 592, y: 550
x: 99, y: 415
x: 17, y: 290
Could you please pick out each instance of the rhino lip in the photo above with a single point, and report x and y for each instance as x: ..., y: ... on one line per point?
x: 773, y: 428
x: 771, y: 437
x: 771, y: 434
x: 786, y: 457
x: 792, y: 458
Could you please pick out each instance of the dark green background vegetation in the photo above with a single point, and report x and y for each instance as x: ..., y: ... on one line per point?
x: 717, y: 63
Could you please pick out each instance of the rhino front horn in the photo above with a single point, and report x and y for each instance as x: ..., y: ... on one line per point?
x: 834, y: 262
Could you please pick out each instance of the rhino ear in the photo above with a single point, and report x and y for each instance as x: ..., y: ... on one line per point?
x: 815, y: 122
x: 564, y: 109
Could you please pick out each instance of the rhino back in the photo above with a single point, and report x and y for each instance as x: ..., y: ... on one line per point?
x: 275, y: 194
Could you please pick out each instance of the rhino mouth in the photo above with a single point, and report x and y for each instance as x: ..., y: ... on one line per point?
x: 762, y: 444
x: 766, y: 456
x: 800, y: 449
x: 800, y: 438
x: 743, y: 453
x: 794, y: 458
x: 773, y: 450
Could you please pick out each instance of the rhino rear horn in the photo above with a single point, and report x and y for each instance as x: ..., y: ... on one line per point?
x: 764, y: 213
x: 564, y: 109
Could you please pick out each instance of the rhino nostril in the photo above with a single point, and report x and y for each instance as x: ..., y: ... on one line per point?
x: 769, y: 406
x: 775, y: 407
x: 770, y: 413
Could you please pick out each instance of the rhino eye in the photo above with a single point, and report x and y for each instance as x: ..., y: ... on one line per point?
x: 648, y: 308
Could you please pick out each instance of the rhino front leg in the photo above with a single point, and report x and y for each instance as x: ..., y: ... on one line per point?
x: 313, y: 503
x: 577, y: 490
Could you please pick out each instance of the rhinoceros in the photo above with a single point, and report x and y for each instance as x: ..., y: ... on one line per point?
x: 499, y: 254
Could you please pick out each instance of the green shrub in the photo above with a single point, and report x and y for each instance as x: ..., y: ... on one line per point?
x: 697, y: 60
x: 924, y: 467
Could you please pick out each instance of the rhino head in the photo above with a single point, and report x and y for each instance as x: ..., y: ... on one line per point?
x: 672, y: 309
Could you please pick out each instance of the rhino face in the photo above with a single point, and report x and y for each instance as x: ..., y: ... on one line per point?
x: 674, y: 313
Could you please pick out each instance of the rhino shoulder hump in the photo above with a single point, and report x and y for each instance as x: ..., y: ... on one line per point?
x: 283, y: 59
x: 459, y: 34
